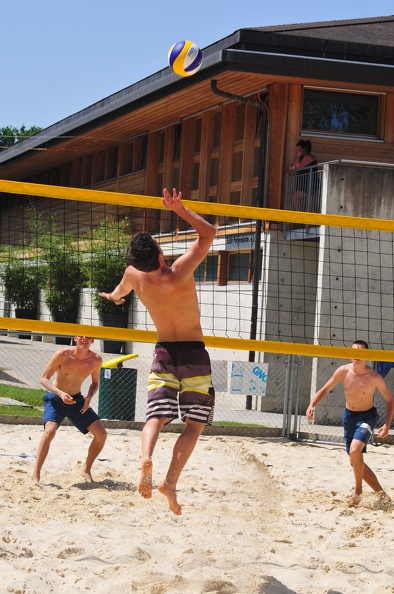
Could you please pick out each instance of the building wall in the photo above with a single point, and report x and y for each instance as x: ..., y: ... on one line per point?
x: 213, y: 156
x: 289, y: 289
x: 356, y: 283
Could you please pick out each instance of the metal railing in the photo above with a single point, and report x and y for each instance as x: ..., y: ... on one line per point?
x: 303, y: 192
x: 303, y: 189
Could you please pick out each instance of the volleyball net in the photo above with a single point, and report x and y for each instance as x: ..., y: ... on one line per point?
x: 288, y: 290
x: 274, y: 281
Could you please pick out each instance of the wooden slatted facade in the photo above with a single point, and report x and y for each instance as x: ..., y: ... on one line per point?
x: 166, y: 131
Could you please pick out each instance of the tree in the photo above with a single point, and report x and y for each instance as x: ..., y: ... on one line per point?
x: 9, y: 135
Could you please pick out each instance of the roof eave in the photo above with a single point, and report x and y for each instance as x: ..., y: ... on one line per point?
x: 223, y: 55
x: 310, y: 67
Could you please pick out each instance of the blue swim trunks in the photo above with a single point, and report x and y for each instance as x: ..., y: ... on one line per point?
x: 55, y: 410
x: 359, y: 425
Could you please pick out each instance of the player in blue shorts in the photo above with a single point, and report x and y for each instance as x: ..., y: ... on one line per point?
x: 180, y: 377
x: 360, y: 416
x: 71, y: 366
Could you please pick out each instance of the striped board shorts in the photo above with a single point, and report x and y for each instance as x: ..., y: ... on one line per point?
x: 180, y: 383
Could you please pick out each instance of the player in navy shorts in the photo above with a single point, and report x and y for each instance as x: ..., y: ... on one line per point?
x: 360, y: 417
x: 71, y: 366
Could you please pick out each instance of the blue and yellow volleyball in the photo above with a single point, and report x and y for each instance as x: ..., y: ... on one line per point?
x: 185, y: 58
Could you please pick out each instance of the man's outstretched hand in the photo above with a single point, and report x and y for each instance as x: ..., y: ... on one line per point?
x: 107, y: 296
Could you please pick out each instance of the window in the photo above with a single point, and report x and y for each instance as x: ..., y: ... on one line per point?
x: 236, y: 169
x: 76, y: 173
x: 256, y: 161
x: 239, y: 122
x: 175, y: 179
x: 126, y: 151
x: 339, y: 112
x: 216, y: 129
x: 213, y: 171
x: 235, y: 267
x: 177, y: 142
x: 111, y: 162
x: 207, y: 271
x: 99, y: 167
x: 211, y: 218
x: 235, y: 198
x: 197, y: 135
x: 238, y: 266
x: 86, y: 176
x: 160, y: 158
x: 195, y: 176
x: 140, y: 152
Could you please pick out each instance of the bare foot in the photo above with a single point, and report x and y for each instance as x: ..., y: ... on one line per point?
x: 35, y: 479
x: 171, y: 496
x: 145, y: 484
x: 86, y: 474
x: 354, y: 500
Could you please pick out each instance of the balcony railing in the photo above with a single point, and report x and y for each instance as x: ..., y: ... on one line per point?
x: 303, y: 193
x: 303, y: 189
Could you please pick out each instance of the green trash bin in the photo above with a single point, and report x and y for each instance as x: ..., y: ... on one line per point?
x: 117, y: 392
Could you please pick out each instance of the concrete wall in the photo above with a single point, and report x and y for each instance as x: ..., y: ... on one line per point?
x: 290, y: 289
x: 355, y: 295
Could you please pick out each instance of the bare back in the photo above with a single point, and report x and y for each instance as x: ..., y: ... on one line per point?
x: 169, y: 294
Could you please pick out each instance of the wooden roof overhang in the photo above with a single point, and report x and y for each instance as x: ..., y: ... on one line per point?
x: 242, y: 64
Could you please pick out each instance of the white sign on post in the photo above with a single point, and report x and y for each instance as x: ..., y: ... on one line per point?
x: 249, y: 378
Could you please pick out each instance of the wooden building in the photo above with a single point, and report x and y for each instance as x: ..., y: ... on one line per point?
x: 331, y: 82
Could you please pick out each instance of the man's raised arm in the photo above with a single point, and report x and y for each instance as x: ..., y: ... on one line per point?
x: 173, y: 202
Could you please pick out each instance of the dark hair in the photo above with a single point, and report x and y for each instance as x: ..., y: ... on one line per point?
x: 143, y: 252
x: 305, y: 144
x: 361, y: 343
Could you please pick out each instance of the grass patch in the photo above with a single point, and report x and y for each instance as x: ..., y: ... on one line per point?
x: 19, y: 411
x: 30, y: 396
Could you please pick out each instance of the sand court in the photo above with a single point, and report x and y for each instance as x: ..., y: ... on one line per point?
x: 261, y: 516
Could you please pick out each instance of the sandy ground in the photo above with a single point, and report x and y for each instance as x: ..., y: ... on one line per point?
x: 261, y: 516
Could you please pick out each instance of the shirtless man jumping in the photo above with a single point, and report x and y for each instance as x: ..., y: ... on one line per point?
x: 71, y: 366
x: 360, y: 416
x: 181, y: 364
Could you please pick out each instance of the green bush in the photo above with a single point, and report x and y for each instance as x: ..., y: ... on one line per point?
x: 107, y: 263
x: 58, y: 249
x: 65, y: 280
x: 22, y: 282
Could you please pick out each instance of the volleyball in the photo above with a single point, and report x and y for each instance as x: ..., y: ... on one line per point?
x: 185, y: 58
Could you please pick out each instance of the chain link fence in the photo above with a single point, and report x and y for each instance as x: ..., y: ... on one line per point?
x: 268, y: 397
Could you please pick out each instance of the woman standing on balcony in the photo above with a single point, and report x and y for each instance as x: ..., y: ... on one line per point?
x: 304, y: 156
x: 304, y: 186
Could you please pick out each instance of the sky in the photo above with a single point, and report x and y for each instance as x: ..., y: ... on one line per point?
x: 61, y: 56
